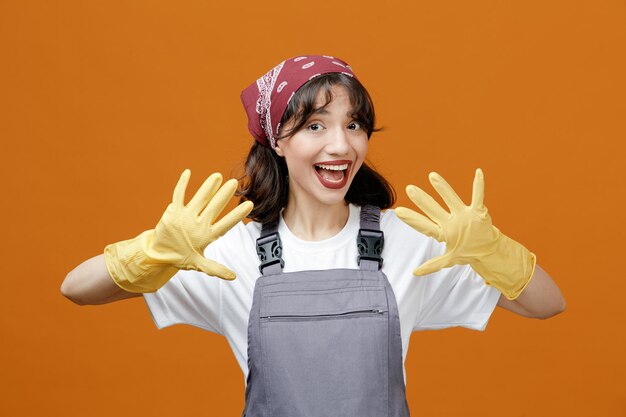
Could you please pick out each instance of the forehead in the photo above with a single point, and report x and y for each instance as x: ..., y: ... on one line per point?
x: 337, y: 94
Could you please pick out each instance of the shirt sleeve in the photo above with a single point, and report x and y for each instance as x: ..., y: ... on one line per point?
x: 190, y: 297
x: 455, y: 296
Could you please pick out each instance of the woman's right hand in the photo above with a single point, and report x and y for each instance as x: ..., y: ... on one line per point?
x: 185, y: 231
x: 147, y: 262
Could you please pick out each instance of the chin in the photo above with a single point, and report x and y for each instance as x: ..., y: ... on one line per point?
x: 333, y: 197
x: 334, y: 201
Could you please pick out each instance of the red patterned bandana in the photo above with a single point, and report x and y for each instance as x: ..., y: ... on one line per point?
x: 266, y: 99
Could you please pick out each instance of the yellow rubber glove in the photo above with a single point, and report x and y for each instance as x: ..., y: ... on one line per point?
x: 469, y: 236
x: 147, y: 262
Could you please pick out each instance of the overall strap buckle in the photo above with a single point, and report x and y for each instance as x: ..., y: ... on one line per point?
x: 269, y: 249
x: 370, y: 244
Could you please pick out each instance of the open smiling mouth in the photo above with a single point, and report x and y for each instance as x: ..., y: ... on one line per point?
x: 333, y: 175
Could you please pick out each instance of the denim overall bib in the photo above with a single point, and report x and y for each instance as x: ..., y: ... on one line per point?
x: 325, y: 343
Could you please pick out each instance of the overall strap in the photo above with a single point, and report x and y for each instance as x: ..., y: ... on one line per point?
x: 269, y: 248
x: 371, y: 240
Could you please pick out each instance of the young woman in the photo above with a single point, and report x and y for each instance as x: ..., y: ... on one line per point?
x: 317, y: 296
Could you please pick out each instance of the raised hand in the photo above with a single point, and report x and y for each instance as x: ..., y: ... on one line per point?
x: 470, y: 236
x: 147, y: 262
x: 184, y: 231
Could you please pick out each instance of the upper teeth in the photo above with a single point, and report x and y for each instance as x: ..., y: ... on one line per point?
x: 333, y: 167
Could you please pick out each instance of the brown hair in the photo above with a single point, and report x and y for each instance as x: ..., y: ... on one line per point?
x: 267, y: 185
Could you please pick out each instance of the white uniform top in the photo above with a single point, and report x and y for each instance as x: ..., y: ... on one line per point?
x: 455, y: 296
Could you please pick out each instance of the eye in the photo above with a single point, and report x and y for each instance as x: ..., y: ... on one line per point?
x: 354, y: 126
x: 315, y: 127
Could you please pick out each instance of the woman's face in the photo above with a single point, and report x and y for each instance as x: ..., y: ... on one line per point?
x: 323, y: 156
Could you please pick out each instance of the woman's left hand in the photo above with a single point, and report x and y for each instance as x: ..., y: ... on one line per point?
x: 469, y: 235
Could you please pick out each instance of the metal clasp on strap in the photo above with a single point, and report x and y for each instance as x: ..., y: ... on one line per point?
x: 370, y: 244
x: 269, y: 249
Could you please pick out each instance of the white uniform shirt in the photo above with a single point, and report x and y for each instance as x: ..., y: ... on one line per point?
x: 455, y: 296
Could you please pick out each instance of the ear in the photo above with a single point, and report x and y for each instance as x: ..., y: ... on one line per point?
x: 278, y: 150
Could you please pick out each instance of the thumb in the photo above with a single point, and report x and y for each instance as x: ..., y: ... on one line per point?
x: 432, y: 265
x: 212, y: 268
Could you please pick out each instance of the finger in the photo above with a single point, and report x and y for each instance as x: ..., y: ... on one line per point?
x: 232, y: 218
x: 178, y: 198
x: 215, y: 269
x: 478, y: 191
x: 427, y: 204
x: 205, y: 192
x: 418, y: 222
x: 446, y: 192
x: 219, y: 201
x: 432, y: 265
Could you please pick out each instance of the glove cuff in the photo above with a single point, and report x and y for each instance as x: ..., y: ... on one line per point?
x: 509, y: 268
x: 134, y: 267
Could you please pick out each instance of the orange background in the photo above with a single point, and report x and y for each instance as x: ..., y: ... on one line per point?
x: 103, y: 104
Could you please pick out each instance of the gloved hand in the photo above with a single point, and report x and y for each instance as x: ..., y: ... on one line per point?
x: 147, y: 262
x: 469, y: 236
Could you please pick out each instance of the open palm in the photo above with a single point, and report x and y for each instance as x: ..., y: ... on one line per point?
x: 466, y: 230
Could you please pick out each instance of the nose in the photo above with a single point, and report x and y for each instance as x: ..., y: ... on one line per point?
x: 338, y: 142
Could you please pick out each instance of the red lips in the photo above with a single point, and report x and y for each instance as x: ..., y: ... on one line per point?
x: 334, y: 184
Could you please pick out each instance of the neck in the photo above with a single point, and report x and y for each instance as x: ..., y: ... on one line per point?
x: 314, y: 220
